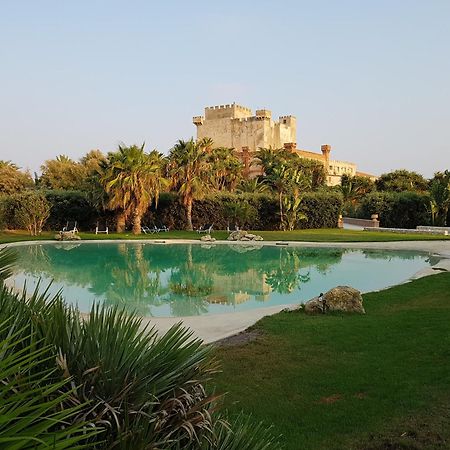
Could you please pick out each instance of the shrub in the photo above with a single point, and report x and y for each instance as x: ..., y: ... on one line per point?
x: 71, y: 206
x: 322, y: 209
x: 25, y: 210
x: 397, y: 210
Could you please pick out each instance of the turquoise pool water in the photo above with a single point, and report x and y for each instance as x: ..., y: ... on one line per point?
x: 192, y: 279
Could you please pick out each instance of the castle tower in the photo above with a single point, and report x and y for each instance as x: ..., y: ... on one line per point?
x: 236, y: 127
x: 326, y: 150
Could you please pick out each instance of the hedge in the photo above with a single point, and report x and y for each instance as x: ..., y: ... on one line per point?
x: 71, y: 206
x: 397, y: 210
x: 322, y: 209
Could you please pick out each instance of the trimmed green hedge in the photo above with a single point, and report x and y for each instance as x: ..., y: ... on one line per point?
x: 398, y: 210
x: 71, y: 206
x: 321, y: 208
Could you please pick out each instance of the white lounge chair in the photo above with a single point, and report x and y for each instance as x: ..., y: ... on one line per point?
x: 205, y: 228
x: 71, y: 227
x: 98, y: 230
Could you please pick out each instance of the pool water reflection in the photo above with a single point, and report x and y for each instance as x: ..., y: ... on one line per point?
x: 192, y: 279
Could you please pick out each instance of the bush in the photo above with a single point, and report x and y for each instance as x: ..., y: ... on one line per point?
x: 71, y: 206
x: 28, y: 210
x: 322, y: 209
x: 397, y: 210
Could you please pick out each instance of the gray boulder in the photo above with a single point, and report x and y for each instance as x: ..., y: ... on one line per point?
x: 207, y: 238
x: 67, y: 236
x: 340, y: 298
x: 242, y: 235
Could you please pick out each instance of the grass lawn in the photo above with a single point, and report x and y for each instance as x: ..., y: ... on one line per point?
x: 322, y: 235
x: 378, y: 381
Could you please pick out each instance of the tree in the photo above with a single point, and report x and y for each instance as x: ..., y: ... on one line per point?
x: 286, y: 180
x: 63, y: 173
x: 402, y: 180
x: 253, y: 186
x: 226, y: 169
x: 31, y: 211
x: 12, y: 179
x: 133, y: 180
x: 312, y: 170
x: 190, y: 172
x: 353, y: 188
x: 440, y: 198
x: 240, y: 212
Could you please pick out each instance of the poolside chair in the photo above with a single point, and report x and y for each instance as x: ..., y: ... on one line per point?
x: 71, y: 227
x: 205, y: 228
x: 98, y: 230
x: 148, y: 230
x: 161, y: 227
x: 236, y: 228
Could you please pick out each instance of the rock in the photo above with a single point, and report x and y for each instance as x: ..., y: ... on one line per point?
x: 67, y: 236
x: 207, y: 238
x: 242, y: 235
x: 313, y: 306
x: 340, y: 298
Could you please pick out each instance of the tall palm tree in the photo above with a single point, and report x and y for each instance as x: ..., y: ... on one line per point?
x: 440, y: 197
x: 133, y: 180
x: 226, y: 168
x: 189, y: 169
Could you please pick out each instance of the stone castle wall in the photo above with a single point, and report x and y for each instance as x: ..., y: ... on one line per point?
x: 236, y: 127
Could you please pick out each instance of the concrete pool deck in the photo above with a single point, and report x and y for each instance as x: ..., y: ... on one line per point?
x: 215, y: 327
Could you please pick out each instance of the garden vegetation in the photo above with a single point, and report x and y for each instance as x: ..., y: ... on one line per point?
x: 198, y: 183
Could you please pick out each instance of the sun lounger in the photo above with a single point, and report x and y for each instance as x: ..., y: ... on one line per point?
x: 98, y: 230
x: 148, y: 230
x: 205, y: 228
x: 71, y: 227
x: 161, y: 227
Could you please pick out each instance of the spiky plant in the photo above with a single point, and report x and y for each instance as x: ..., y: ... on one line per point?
x: 35, y: 411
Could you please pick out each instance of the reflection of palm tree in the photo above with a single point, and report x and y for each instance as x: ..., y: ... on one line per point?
x: 287, y: 277
x: 189, y: 285
x: 134, y: 279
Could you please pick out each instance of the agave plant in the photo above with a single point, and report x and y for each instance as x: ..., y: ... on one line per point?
x: 7, y: 260
x: 34, y: 410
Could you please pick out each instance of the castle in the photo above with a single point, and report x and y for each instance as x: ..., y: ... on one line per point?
x: 235, y: 126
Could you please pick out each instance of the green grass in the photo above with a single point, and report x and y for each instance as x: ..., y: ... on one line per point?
x: 378, y: 381
x: 323, y: 235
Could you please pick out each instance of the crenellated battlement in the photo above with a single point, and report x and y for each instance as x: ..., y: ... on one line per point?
x: 232, y: 106
x: 198, y: 120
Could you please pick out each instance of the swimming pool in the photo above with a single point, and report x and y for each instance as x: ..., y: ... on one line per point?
x: 175, y: 280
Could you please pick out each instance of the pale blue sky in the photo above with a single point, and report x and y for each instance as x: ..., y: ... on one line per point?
x: 371, y: 78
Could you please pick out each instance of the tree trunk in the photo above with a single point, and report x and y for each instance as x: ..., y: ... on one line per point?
x: 120, y: 221
x: 189, y: 215
x: 280, y: 197
x: 137, y: 223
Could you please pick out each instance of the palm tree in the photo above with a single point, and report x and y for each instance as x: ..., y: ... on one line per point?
x: 133, y: 180
x: 440, y: 197
x: 226, y: 168
x: 189, y: 169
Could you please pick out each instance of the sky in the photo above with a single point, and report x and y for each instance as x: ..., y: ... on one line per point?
x: 371, y: 78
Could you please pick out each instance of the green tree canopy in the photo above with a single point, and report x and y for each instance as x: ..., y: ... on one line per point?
x: 402, y: 180
x: 12, y: 179
x: 440, y: 197
x: 190, y: 171
x: 133, y: 180
x: 63, y: 173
